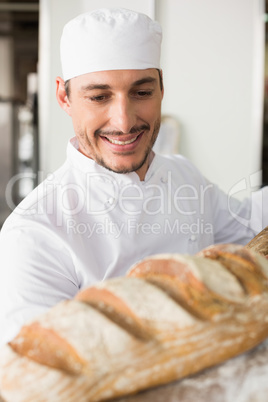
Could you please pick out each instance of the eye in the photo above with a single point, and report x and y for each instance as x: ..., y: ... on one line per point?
x: 144, y: 94
x: 99, y: 98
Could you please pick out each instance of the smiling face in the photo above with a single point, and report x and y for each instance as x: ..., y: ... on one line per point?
x: 116, y: 116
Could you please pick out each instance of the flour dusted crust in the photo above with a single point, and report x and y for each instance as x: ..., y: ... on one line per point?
x: 210, y: 273
x: 170, y: 317
x: 144, y: 300
x: 259, y: 243
x: 249, y: 267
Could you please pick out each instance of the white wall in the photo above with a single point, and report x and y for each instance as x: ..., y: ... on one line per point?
x: 212, y: 60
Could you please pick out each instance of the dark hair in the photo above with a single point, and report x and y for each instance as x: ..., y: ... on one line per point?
x: 160, y: 79
x: 68, y: 90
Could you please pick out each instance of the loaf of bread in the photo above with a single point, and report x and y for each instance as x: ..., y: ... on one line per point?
x: 170, y: 317
x: 260, y: 243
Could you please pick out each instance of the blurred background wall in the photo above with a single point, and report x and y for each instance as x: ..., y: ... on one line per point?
x: 19, y: 47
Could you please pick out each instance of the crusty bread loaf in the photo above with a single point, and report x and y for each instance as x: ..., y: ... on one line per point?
x: 260, y: 243
x: 170, y: 317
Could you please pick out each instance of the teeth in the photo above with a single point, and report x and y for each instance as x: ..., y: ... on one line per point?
x: 121, y: 142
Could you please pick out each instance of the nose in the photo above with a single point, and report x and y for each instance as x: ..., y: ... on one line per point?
x: 122, y: 114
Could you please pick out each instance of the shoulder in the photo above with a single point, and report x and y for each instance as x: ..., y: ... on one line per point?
x: 181, y: 166
x: 176, y: 160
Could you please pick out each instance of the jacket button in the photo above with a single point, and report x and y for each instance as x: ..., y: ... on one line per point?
x: 110, y: 200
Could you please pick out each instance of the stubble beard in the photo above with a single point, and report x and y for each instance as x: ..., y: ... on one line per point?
x: 135, y: 166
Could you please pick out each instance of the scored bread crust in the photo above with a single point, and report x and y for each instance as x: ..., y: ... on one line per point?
x: 259, y: 243
x: 171, y: 316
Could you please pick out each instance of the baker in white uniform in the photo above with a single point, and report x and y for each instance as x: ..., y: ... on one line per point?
x: 114, y: 201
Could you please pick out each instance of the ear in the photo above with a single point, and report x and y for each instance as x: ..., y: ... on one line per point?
x: 62, y: 97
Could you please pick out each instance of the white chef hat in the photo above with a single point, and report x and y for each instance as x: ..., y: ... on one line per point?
x: 109, y: 39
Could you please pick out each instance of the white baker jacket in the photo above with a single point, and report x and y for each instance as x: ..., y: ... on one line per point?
x: 84, y: 224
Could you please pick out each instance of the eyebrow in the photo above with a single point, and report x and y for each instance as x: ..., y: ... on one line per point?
x: 91, y: 87
x: 145, y: 80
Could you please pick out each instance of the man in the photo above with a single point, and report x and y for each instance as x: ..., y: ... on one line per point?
x: 114, y: 201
